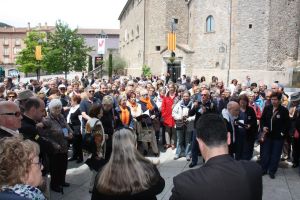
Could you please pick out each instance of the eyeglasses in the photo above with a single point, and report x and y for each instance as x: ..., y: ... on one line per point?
x: 11, y: 97
x: 204, y: 94
x: 39, y: 163
x: 91, y: 91
x: 16, y: 114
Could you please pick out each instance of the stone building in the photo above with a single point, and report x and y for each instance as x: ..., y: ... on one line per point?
x: 226, y: 38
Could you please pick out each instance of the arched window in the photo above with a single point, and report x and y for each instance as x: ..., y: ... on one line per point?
x: 210, y: 24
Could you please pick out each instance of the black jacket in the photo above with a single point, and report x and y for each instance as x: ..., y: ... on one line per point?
x: 29, y: 131
x: 278, y: 124
x: 209, y: 106
x: 252, y: 121
x: 221, y: 177
x: 4, y: 133
x: 149, y: 194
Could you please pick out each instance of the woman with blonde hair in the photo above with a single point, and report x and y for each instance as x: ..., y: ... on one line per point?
x: 20, y: 170
x: 127, y: 175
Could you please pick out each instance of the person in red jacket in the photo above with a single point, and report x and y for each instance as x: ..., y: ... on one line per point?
x: 168, y: 120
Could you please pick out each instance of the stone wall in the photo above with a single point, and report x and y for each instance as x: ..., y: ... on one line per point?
x: 211, y: 49
x: 249, y: 37
x: 284, y: 33
x: 132, y: 45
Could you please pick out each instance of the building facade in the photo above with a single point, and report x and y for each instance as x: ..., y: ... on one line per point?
x: 226, y: 38
x: 91, y: 37
x: 12, y: 42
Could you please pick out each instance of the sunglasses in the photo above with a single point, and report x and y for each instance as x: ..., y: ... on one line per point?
x: 16, y: 114
x: 11, y: 97
x: 91, y: 91
x: 204, y: 94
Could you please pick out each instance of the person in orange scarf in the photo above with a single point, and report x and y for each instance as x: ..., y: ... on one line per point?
x: 136, y: 111
x: 147, y: 122
x: 124, y: 112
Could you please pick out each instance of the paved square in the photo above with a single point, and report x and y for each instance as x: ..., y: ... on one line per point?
x: 286, y: 185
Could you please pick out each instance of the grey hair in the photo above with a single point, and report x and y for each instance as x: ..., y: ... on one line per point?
x: 108, y: 100
x: 182, y: 88
x: 127, y: 171
x: 54, y: 103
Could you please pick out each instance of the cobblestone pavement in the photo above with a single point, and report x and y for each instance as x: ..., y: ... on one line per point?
x: 284, y: 187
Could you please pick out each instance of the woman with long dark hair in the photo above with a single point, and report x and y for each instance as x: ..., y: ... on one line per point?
x: 127, y: 175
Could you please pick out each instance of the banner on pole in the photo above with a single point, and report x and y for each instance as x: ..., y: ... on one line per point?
x: 101, y: 46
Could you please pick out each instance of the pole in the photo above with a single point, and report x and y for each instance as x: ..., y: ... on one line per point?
x: 110, y: 67
x: 230, y: 30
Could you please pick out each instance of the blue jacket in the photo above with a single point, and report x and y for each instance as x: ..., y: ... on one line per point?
x: 11, y: 196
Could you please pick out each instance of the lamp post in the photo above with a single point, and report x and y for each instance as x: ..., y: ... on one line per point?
x: 38, y: 57
x: 101, y: 49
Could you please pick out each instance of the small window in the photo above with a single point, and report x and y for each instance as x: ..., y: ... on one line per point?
x: 157, y: 48
x: 18, y: 42
x: 210, y: 24
x: 6, y: 51
x: 250, y: 26
x: 137, y: 30
x: 6, y: 60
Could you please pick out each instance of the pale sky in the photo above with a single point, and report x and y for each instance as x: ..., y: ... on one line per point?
x: 76, y: 13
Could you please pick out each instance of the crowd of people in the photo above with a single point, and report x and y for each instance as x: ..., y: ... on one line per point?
x: 96, y: 116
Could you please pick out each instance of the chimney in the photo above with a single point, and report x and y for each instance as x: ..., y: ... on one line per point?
x: 13, y: 29
x: 40, y: 25
x: 28, y: 27
x: 46, y: 25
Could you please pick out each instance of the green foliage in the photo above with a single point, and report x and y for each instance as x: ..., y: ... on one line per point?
x: 67, y: 50
x: 26, y: 57
x: 146, y: 71
x: 118, y: 65
x: 90, y: 63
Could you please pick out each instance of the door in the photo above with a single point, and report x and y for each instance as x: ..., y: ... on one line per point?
x: 174, y: 69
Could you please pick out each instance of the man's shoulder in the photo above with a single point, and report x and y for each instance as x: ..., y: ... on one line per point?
x: 190, y: 176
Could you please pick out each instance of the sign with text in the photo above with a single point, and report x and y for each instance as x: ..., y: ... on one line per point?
x: 101, y: 46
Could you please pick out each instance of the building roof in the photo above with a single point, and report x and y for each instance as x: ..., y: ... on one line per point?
x: 86, y: 31
x: 12, y: 30
x: 24, y: 30
x: 124, y: 9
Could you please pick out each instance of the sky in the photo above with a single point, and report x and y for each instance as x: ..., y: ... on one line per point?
x: 76, y: 13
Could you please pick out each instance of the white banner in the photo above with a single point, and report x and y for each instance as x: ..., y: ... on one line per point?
x: 101, y: 46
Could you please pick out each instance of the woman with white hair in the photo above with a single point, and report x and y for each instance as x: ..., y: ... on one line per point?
x: 56, y: 128
x: 127, y: 175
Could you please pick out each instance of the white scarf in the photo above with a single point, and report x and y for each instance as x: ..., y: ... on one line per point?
x: 72, y: 110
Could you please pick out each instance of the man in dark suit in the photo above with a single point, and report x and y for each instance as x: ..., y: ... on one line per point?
x: 10, y: 119
x: 221, y: 177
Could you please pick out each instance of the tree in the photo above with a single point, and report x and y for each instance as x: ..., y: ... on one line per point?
x: 146, y: 71
x: 118, y: 65
x: 67, y: 50
x: 26, y: 57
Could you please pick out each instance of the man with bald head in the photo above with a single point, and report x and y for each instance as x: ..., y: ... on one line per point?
x: 10, y: 119
x: 230, y: 115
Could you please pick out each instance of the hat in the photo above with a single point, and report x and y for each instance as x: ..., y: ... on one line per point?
x: 295, y: 96
x: 61, y: 86
x: 25, y: 94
